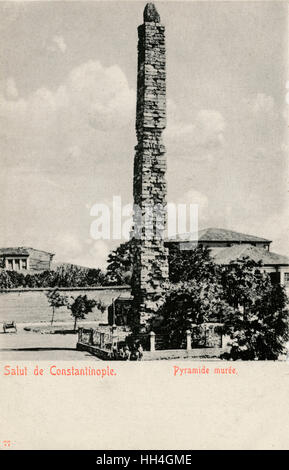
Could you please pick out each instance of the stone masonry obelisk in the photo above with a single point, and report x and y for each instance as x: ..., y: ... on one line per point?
x: 150, y: 265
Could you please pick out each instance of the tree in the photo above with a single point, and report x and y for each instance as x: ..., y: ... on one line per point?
x: 56, y: 300
x: 68, y: 275
x: 95, y: 277
x: 80, y: 307
x: 120, y: 261
x: 197, y: 264
x: 258, y: 323
x: 5, y: 280
x: 65, y: 275
x: 16, y: 278
x: 195, y: 295
x: 241, y: 296
x: 183, y: 264
x: 189, y: 304
x: 30, y: 281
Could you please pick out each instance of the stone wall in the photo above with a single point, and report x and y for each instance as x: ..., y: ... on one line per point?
x: 150, y: 270
x: 31, y: 306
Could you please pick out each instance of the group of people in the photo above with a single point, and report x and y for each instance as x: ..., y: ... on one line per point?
x: 124, y: 353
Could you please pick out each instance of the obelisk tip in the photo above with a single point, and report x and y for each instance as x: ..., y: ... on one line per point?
x: 150, y: 14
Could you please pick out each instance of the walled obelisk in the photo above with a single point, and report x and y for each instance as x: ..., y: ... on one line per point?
x: 150, y: 265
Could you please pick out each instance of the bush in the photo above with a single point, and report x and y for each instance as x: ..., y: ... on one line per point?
x: 63, y: 276
x: 80, y: 307
x: 258, y: 324
x: 120, y: 261
x: 188, y: 304
x: 241, y: 296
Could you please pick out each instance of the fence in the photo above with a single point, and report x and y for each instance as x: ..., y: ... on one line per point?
x: 112, y: 337
x: 207, y: 335
x: 92, y: 337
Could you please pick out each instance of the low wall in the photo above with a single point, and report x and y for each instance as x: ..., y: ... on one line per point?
x: 94, y: 350
x: 193, y: 354
x: 165, y: 354
x: 31, y: 305
x: 101, y: 342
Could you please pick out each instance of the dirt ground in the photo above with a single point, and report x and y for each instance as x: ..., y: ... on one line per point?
x: 28, y: 346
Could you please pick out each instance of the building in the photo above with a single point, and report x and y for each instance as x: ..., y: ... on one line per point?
x: 25, y: 259
x: 227, y: 246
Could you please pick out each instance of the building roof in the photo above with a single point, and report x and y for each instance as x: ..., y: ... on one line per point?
x: 218, y: 235
x: 20, y: 250
x: 232, y: 253
x: 14, y: 251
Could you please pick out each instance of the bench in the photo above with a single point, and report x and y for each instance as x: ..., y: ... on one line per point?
x: 9, y: 326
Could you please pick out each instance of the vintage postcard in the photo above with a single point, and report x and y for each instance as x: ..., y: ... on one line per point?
x: 144, y: 256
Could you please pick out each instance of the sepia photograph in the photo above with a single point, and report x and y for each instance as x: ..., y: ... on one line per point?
x: 144, y: 218
x: 144, y: 180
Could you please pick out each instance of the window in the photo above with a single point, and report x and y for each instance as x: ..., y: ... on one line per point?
x: 10, y: 264
x: 286, y: 278
x: 17, y: 264
x: 275, y: 277
x: 24, y: 264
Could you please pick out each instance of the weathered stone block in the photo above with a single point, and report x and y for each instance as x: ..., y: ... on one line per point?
x: 150, y: 270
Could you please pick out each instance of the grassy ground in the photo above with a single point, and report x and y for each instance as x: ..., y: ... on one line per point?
x: 32, y: 306
x: 56, y: 328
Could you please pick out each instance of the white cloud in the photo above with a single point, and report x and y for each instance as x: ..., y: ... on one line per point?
x: 11, y: 88
x: 192, y: 196
x: 70, y: 250
x: 276, y: 228
x: 261, y: 104
x: 285, y: 147
x: 91, y: 98
x: 91, y: 94
x: 209, y: 128
x: 59, y: 139
x: 186, y: 212
x: 98, y: 254
x: 198, y: 138
x: 57, y: 44
x: 67, y: 245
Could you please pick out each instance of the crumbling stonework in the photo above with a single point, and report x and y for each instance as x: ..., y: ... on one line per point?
x: 150, y: 270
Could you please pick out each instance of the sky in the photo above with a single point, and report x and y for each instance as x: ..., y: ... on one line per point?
x: 67, y: 118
